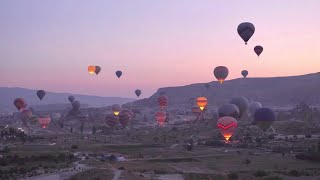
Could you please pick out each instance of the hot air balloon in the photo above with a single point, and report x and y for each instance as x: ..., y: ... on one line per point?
x: 207, y: 85
x: 116, y: 108
x: 91, y: 69
x: 97, y: 69
x: 71, y: 99
x: 253, y: 106
x: 242, y: 103
x: 228, y: 110
x: 244, y: 73
x: 161, y: 117
x: 138, y: 92
x: 20, y: 104
x: 76, y: 105
x: 119, y: 74
x: 41, y: 94
x: 221, y: 73
x: 124, y: 118
x: 263, y: 118
x: 26, y: 115
x: 258, y: 50
x: 163, y: 101
x: 202, y: 102
x: 111, y: 120
x: 44, y: 121
x: 227, y: 126
x: 245, y: 31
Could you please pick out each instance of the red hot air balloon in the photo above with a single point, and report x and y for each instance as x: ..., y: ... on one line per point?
x: 124, y: 118
x: 258, y: 50
x: 91, y: 69
x: 116, y: 108
x: 221, y: 73
x: 111, y: 120
x: 20, y: 104
x: 44, y: 121
x: 227, y: 126
x: 202, y: 102
x: 161, y: 117
x: 163, y: 101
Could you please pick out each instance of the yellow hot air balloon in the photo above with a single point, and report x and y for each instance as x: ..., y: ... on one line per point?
x: 91, y: 69
x: 202, y: 102
x: 116, y: 108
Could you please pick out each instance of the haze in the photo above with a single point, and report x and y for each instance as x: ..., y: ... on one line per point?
x: 49, y: 44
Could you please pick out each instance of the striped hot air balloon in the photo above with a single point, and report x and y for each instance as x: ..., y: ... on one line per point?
x: 163, y: 101
x: 161, y: 117
x: 44, y: 121
x: 227, y: 126
x: 111, y: 120
x: 125, y: 117
x: 202, y: 102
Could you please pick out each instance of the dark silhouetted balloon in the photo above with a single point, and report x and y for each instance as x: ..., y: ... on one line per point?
x: 138, y: 92
x: 264, y: 117
x: 244, y: 73
x: 119, y: 74
x: 221, y: 73
x: 19, y: 103
x: 76, y: 105
x: 41, y: 94
x: 71, y: 99
x: 111, y: 120
x: 245, y: 31
x: 227, y: 126
x: 258, y: 50
x: 253, y: 106
x: 229, y: 110
x: 242, y: 103
x: 97, y: 69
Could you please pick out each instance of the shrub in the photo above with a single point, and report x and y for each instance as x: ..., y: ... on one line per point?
x: 260, y: 173
x: 233, y: 175
x: 74, y: 147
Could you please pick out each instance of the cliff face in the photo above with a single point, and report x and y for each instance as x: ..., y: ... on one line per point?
x: 275, y: 91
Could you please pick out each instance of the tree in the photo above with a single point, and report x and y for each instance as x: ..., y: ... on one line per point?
x: 94, y: 130
x: 81, y: 127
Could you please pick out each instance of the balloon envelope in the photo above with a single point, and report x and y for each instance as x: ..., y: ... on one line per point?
x: 253, y: 106
x: 244, y: 73
x: 71, y: 99
x: 245, y: 31
x: 229, y: 110
x: 202, y: 102
x: 242, y: 103
x: 258, y: 50
x: 41, y: 94
x: 91, y: 69
x: 116, y: 108
x: 97, y: 69
x: 264, y: 117
x: 119, y: 74
x: 163, y: 101
x: 44, y: 121
x: 161, y: 117
x: 111, y: 120
x: 19, y: 103
x: 138, y: 92
x: 125, y: 117
x: 221, y: 73
x: 227, y: 126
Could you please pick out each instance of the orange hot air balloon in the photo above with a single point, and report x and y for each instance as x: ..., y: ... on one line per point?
x: 91, y: 69
x: 44, y: 121
x: 202, y: 102
x: 227, y: 126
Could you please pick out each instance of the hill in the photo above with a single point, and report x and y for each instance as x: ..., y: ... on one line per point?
x: 7, y: 96
x: 274, y: 91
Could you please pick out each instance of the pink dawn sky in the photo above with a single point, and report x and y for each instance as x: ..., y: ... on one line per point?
x: 49, y: 44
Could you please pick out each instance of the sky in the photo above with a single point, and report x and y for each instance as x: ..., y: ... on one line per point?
x: 160, y: 43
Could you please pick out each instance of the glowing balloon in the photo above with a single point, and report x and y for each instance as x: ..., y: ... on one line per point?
x: 111, y: 120
x: 41, y: 94
x: 161, y: 117
x: 245, y: 31
x: 221, y: 73
x: 227, y: 126
x: 244, y: 73
x: 91, y: 69
x: 44, y: 121
x: 258, y: 50
x: 202, y: 102
x: 116, y: 108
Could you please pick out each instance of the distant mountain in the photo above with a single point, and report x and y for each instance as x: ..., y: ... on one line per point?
x: 274, y: 91
x: 7, y: 96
